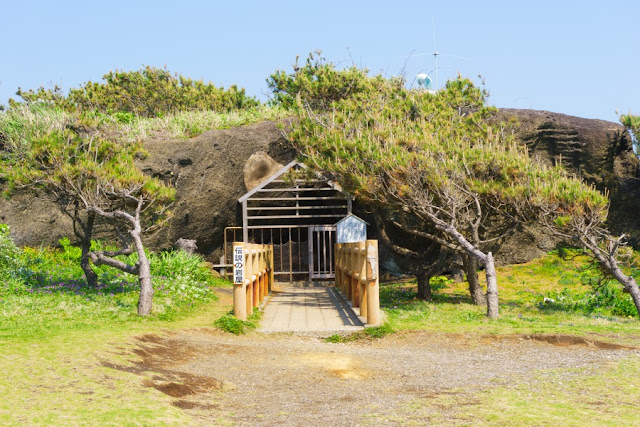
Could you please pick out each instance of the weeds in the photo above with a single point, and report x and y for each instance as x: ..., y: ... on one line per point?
x: 24, y: 123
x: 374, y: 332
x: 45, y: 289
x: 230, y: 323
x: 546, y: 295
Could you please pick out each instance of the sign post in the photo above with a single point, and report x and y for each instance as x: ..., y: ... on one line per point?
x: 239, y: 309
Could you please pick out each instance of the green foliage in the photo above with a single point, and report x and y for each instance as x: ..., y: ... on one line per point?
x: 50, y: 291
x: 11, y: 262
x: 334, y: 339
x: 148, y: 92
x: 374, y: 332
x: 180, y: 264
x: 319, y: 83
x: 547, y: 295
x: 24, y: 123
x: 408, y: 142
x: 632, y: 123
x: 230, y: 323
x: 606, y: 299
x: 377, y: 332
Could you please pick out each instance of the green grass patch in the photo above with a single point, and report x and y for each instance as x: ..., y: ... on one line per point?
x: 25, y: 123
x: 189, y: 124
x: 59, y: 379
x: 606, y: 396
x: 374, y: 332
x: 547, y: 295
x: 47, y: 292
x: 230, y: 323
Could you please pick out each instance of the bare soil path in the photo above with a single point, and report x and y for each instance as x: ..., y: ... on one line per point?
x: 286, y: 379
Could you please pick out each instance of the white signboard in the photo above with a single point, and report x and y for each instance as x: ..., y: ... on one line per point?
x: 238, y: 265
x: 351, y: 229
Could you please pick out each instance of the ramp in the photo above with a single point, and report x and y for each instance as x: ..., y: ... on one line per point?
x: 308, y: 309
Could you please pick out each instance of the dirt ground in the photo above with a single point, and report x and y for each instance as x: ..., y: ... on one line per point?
x: 283, y: 379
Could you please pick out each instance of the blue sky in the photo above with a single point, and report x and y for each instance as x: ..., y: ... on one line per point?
x: 572, y: 57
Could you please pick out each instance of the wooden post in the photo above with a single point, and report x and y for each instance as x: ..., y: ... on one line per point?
x: 348, y: 278
x: 245, y: 223
x: 373, y: 284
x: 271, y: 268
x: 249, y: 295
x: 223, y: 270
x: 362, y: 284
x: 260, y: 274
x: 264, y: 268
x: 355, y: 282
x: 239, y: 295
x: 254, y: 277
x: 336, y: 251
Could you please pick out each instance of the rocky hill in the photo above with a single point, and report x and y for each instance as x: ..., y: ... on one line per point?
x: 209, y: 174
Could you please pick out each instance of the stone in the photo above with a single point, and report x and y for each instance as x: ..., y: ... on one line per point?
x: 187, y: 245
x: 258, y: 168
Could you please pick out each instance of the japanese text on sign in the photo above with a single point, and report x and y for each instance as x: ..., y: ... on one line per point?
x: 238, y: 265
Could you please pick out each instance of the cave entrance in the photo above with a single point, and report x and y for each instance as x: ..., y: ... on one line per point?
x: 296, y: 211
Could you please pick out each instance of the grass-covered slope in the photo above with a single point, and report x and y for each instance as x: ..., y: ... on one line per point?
x: 550, y: 295
x: 44, y: 292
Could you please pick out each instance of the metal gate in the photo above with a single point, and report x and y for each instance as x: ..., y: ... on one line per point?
x: 321, y: 240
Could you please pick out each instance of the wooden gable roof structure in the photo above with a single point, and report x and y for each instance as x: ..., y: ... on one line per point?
x: 297, y: 215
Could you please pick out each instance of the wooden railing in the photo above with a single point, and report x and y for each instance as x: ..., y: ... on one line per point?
x: 252, y: 276
x: 357, y: 277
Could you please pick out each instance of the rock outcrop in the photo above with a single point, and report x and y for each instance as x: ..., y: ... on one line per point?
x: 210, y: 172
x: 207, y: 172
x: 598, y: 151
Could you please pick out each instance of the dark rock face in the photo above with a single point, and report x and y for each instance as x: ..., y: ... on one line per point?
x: 207, y: 172
x: 598, y: 151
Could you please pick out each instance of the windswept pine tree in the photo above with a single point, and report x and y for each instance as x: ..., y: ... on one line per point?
x: 437, y: 166
x: 93, y: 179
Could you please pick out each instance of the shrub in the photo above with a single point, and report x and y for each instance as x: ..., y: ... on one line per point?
x: 606, y: 299
x: 11, y: 263
x: 318, y: 83
x: 230, y: 323
x: 148, y: 92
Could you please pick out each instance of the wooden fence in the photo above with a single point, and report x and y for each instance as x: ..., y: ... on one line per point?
x: 357, y: 277
x: 252, y: 276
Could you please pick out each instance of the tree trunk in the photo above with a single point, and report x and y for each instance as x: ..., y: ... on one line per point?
x: 492, y: 287
x: 424, y: 288
x: 145, y: 302
x: 475, y: 289
x: 85, y: 245
x: 633, y: 289
x: 628, y: 282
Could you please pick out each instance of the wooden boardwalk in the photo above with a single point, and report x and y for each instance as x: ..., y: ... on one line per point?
x: 308, y: 309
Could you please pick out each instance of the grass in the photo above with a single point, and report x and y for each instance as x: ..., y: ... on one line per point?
x: 49, y: 294
x: 230, y: 323
x: 59, y: 379
x: 522, y: 289
x: 24, y: 123
x: 56, y: 332
x: 193, y: 123
x: 606, y: 396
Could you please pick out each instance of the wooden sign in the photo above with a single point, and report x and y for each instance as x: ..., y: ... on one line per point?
x: 238, y: 265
